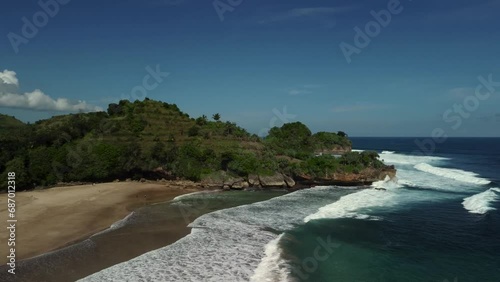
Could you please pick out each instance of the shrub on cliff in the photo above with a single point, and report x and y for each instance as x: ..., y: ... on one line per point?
x: 329, y: 141
x: 292, y: 139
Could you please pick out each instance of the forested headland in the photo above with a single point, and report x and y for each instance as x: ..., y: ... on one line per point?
x: 156, y: 140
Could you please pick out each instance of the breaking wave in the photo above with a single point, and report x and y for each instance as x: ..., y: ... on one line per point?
x: 481, y: 203
x: 451, y: 173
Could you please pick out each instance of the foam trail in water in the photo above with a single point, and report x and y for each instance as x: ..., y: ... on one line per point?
x: 226, y: 245
x: 481, y: 203
x: 119, y: 224
x: 350, y: 205
x: 401, y: 159
x: 272, y: 268
x: 455, y: 174
x: 189, y: 195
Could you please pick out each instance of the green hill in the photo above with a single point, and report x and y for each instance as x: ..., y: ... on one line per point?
x: 152, y: 139
x: 9, y: 124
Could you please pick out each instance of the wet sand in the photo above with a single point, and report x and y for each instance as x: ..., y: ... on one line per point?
x: 54, y: 218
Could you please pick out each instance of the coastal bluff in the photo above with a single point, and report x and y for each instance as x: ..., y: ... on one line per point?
x: 280, y: 180
x: 154, y: 140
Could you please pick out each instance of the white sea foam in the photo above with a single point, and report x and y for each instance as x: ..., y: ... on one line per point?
x: 455, y: 174
x: 402, y: 159
x: 481, y: 203
x: 272, y: 267
x: 226, y: 245
x: 189, y: 195
x: 360, y: 205
x: 119, y: 224
x: 356, y: 205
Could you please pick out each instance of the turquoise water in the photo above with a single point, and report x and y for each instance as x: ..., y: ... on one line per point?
x: 423, y: 243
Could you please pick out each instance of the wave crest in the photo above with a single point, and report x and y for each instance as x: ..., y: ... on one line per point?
x: 451, y: 173
x: 481, y: 203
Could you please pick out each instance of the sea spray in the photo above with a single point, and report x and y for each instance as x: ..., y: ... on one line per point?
x: 481, y: 203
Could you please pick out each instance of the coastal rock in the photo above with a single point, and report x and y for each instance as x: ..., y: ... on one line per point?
x: 364, y: 177
x: 231, y: 181
x: 240, y: 185
x: 253, y: 180
x: 289, y: 181
x: 276, y: 180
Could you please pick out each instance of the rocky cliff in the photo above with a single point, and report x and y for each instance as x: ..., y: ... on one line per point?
x: 222, y: 180
x: 365, y: 177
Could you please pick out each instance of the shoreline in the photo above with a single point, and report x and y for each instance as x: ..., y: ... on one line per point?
x: 147, y: 228
x: 56, y: 218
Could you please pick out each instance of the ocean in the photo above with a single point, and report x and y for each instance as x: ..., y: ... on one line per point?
x: 438, y: 221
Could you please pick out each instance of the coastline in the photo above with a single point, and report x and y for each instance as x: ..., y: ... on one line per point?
x: 146, y: 228
x: 51, y: 219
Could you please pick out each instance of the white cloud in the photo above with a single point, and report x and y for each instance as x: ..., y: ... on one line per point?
x: 36, y: 100
x: 300, y: 13
x: 302, y: 90
x: 295, y: 92
x: 8, y: 77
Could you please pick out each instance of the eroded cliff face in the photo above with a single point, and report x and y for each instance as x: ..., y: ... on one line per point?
x: 278, y: 180
x: 224, y: 181
x: 364, y: 177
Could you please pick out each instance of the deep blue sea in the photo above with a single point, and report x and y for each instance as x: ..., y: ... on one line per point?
x: 438, y: 221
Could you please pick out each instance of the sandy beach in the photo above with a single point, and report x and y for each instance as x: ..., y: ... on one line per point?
x: 53, y: 218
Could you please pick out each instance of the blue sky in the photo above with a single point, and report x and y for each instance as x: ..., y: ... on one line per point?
x: 262, y: 63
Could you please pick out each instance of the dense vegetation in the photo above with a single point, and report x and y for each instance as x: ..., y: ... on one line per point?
x: 151, y: 139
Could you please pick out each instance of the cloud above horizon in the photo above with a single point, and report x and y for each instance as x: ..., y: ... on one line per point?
x: 10, y: 97
x: 302, y: 90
